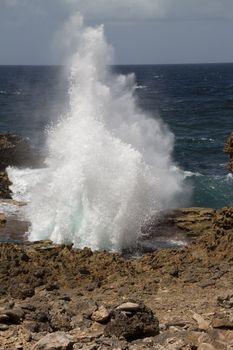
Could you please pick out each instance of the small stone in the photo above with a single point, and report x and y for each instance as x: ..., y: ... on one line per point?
x: 27, y: 293
x: 4, y: 318
x: 65, y: 297
x: 51, y: 286
x: 202, y: 324
x: 4, y: 327
x: 55, y: 341
x: 15, y: 316
x: 222, y: 322
x: 100, y: 315
x: 225, y: 300
x: 84, y: 271
x: 129, y: 306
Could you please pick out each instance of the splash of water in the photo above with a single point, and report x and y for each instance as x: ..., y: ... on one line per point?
x: 109, y: 165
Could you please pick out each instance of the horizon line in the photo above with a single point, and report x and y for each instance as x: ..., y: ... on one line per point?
x: 115, y: 64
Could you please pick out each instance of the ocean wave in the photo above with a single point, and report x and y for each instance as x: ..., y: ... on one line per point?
x: 229, y: 177
x: 10, y: 208
x: 142, y: 87
x: 195, y: 139
x: 191, y: 173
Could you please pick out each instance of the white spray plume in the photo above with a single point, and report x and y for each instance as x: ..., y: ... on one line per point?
x: 109, y: 165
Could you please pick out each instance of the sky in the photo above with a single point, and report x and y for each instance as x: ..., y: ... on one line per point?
x: 141, y: 31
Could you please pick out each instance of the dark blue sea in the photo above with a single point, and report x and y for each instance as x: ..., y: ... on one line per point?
x: 195, y: 101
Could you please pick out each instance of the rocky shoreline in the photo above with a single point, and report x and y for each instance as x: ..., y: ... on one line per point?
x: 57, y: 297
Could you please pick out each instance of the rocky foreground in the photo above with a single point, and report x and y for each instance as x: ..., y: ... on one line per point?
x: 57, y: 297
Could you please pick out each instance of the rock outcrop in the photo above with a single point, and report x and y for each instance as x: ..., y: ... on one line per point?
x: 14, y: 151
x: 57, y: 297
x: 228, y: 149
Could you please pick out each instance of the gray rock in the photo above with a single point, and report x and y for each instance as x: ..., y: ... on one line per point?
x: 55, y: 341
x: 129, y: 306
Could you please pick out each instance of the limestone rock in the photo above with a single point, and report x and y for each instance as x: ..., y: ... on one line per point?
x: 129, y: 306
x: 133, y: 324
x: 55, y: 341
x: 101, y: 315
x: 194, y: 220
x: 225, y: 300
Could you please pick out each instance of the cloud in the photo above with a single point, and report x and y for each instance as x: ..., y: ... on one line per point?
x: 133, y: 10
x: 128, y: 10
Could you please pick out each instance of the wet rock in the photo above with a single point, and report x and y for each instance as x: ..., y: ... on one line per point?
x: 2, y: 220
x: 134, y: 324
x: 15, y: 151
x: 5, y: 184
x: 228, y: 148
x: 55, y: 341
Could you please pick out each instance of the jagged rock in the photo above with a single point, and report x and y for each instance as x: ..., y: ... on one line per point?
x: 4, y: 185
x: 202, y: 323
x: 101, y: 315
x: 55, y: 341
x: 228, y: 148
x: 2, y: 220
x: 222, y: 321
x: 11, y: 316
x: 223, y: 219
x: 194, y: 220
x: 14, y: 151
x: 225, y: 300
x: 132, y: 324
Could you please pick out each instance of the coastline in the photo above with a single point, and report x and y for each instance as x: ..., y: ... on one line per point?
x: 72, y: 295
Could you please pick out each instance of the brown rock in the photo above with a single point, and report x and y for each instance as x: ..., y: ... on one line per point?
x: 132, y: 325
x: 101, y: 315
x: 228, y: 148
x: 55, y: 341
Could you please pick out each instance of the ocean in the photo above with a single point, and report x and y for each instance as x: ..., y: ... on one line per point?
x: 194, y: 101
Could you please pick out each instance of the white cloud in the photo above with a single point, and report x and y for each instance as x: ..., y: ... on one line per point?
x: 132, y: 10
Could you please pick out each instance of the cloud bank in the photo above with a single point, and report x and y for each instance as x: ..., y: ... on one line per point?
x: 130, y: 10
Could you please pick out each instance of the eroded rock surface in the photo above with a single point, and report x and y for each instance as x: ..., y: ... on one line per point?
x: 228, y: 148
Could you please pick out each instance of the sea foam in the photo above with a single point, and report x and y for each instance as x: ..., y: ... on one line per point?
x: 109, y: 165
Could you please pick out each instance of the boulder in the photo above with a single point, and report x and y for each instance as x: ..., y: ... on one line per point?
x: 131, y: 322
x: 15, y: 151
